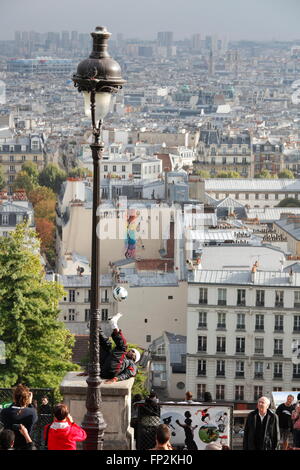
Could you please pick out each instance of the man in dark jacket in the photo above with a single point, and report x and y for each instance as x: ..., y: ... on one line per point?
x: 262, y: 428
x: 119, y: 363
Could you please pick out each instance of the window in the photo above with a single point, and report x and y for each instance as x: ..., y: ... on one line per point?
x: 201, y: 389
x: 12, y: 168
x: 221, y: 344
x: 296, y: 323
x: 222, y: 296
x: 105, y: 168
x: 5, y: 219
x: 256, y: 196
x: 123, y: 168
x: 258, y: 370
x: 202, y: 343
x: 241, y: 297
x: 277, y: 370
x: 247, y: 196
x: 258, y: 346
x: 71, y: 295
x: 202, y: 323
x: 220, y: 392
x: 201, y: 367
x: 71, y: 316
x: 296, y: 371
x: 279, y: 298
x: 104, y: 314
x: 23, y: 158
x: 11, y: 158
x: 240, y: 369
x: 203, y: 295
x: 278, y: 323
x: 297, y: 298
x: 170, y: 297
x: 220, y: 372
x: 266, y: 196
x: 240, y: 345
x: 35, y: 158
x: 258, y: 392
x: 224, y: 160
x: 259, y: 322
x: 277, y: 389
x: 276, y: 197
x: 114, y: 168
x: 240, y: 322
x: 221, y: 320
x: 239, y: 392
x: 87, y: 314
x: 180, y: 385
x: 278, y: 347
x: 148, y: 338
x: 260, y: 298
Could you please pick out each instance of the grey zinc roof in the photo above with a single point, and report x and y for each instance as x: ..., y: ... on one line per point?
x: 272, y: 213
x: 262, y: 278
x: 252, y: 184
x: 290, y: 227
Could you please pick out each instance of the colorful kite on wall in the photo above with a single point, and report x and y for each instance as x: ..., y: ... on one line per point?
x: 132, y: 227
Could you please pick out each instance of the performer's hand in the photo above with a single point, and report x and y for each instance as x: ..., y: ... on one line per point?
x: 111, y: 381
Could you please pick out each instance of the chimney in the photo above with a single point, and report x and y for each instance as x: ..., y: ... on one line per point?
x: 166, y: 169
x: 291, y: 276
x: 253, y: 271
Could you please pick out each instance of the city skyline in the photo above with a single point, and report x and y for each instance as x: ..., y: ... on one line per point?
x: 234, y: 19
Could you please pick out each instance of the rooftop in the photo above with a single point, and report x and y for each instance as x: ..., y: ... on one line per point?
x: 261, y: 278
x: 251, y: 184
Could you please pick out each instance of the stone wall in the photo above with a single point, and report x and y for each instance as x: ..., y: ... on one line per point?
x: 116, y: 408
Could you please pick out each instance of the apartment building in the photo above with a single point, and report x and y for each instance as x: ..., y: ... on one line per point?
x: 241, y: 327
x: 18, y: 150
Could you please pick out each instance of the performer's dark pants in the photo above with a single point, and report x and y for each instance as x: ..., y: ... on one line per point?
x: 109, y: 357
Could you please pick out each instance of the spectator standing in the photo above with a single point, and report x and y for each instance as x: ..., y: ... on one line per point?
x: 163, y: 436
x: 284, y: 412
x: 262, y: 428
x: 148, y: 419
x: 296, y: 423
x: 63, y: 433
x: 20, y: 412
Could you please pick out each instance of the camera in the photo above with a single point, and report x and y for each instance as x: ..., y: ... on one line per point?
x: 16, y: 427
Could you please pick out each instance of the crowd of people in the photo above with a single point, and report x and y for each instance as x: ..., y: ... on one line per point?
x: 19, y: 418
x: 264, y: 429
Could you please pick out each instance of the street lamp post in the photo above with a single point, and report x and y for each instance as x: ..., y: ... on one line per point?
x: 98, y: 77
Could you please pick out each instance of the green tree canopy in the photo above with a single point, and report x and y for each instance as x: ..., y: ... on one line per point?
x: 23, y: 181
x: 41, y: 193
x: 79, y: 172
x: 52, y: 177
x: 286, y: 174
x: 289, y: 202
x: 32, y: 170
x: 264, y: 174
x: 38, y: 346
x: 228, y: 174
x: 203, y: 174
x: 2, y: 178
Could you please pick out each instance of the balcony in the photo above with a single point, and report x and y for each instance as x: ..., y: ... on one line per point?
x: 222, y: 302
x: 279, y: 304
x: 278, y: 352
x: 239, y: 375
x: 277, y: 375
x: 105, y: 301
x: 202, y: 301
x: 258, y: 375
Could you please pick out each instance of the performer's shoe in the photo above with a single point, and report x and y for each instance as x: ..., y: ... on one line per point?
x: 114, y: 321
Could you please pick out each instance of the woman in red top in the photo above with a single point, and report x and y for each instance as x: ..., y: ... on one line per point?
x: 63, y: 433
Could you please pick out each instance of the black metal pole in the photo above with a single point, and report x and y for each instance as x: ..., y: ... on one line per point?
x: 93, y: 422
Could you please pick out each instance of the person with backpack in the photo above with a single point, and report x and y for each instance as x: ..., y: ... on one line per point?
x: 63, y: 433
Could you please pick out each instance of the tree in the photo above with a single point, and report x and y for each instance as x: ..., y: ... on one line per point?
x: 52, y: 177
x: 289, y: 202
x: 23, y: 181
x: 286, y: 174
x: 79, y: 172
x: 41, y: 193
x: 263, y: 174
x: 228, y: 174
x: 140, y: 378
x: 202, y: 173
x: 45, y: 209
x: 32, y: 170
x: 46, y: 231
x: 38, y: 346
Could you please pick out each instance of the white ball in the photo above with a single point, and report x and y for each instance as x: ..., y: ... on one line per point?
x: 120, y: 293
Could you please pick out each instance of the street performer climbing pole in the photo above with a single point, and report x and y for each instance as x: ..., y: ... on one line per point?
x: 119, y: 363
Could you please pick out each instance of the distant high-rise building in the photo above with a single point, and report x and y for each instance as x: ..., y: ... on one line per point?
x: 18, y: 36
x: 165, y: 38
x: 65, y: 39
x: 74, y: 36
x: 196, y: 42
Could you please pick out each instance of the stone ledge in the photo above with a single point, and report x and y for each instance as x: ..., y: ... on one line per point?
x: 73, y: 384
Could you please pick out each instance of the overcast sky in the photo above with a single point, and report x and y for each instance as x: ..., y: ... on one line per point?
x: 234, y: 19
